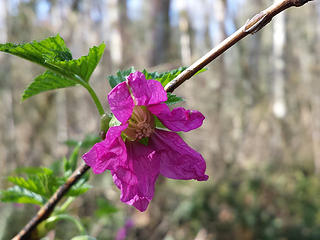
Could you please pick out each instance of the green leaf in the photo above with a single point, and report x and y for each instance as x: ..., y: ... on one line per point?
x: 17, y: 194
x: 29, y: 171
x: 85, y: 65
x: 49, y: 49
x: 42, y: 184
x: 53, y: 54
x: 73, y: 159
x: 167, y: 77
x: 77, y: 191
x: 114, y: 80
x: 173, y: 99
x: 83, y: 237
x: 45, y: 82
x: 104, y: 208
x: 89, y: 141
x: 164, y: 77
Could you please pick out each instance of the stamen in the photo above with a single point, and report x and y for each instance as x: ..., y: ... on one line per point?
x: 141, y: 124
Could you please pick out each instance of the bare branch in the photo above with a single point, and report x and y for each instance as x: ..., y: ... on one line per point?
x: 251, y: 26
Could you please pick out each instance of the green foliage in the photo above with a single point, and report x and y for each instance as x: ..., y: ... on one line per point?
x: 164, y: 77
x: 121, y: 76
x: 173, y: 99
x: 45, y: 82
x: 259, y: 204
x: 43, y: 52
x: 83, y: 237
x: 104, y: 208
x: 37, y: 184
x: 53, y: 54
x: 17, y: 194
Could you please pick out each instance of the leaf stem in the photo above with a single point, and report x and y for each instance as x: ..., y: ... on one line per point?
x: 94, y: 97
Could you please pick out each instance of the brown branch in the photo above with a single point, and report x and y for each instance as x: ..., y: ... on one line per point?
x: 47, y: 209
x: 252, y: 26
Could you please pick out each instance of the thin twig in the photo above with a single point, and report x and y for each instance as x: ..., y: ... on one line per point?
x: 47, y: 209
x: 252, y: 26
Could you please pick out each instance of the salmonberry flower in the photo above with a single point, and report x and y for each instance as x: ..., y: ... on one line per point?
x: 135, y: 165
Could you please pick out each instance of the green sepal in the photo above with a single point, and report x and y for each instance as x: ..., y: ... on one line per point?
x: 144, y: 141
x: 114, y: 121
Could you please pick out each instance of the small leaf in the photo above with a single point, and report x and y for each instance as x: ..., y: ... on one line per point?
x: 85, y: 65
x: 114, y: 122
x: 104, y: 208
x: 20, y: 195
x: 164, y: 77
x: 83, y: 237
x: 45, y: 82
x: 173, y: 99
x: 144, y: 141
x: 121, y: 76
x: 73, y: 159
x: 77, y: 191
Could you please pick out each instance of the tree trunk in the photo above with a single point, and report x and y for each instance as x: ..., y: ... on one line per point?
x: 279, y: 37
x: 185, y: 43
x: 161, y: 32
x: 116, y: 45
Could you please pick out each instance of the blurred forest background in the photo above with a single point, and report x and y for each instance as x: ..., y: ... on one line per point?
x: 261, y: 136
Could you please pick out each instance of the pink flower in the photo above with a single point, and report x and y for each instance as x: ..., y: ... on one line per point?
x: 133, y: 165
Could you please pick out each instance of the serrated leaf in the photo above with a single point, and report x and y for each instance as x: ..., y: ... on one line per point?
x: 45, y: 82
x: 42, y: 184
x: 164, y: 77
x: 52, y: 48
x: 173, y: 99
x: 121, y: 76
x: 20, y: 195
x: 53, y: 54
x: 85, y: 65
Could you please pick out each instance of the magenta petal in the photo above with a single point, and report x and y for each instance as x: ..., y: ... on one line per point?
x: 136, y: 178
x: 179, y: 119
x: 177, y: 159
x: 109, y: 153
x: 146, y: 92
x: 121, y: 102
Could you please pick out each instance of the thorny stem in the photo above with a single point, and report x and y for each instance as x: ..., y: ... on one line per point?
x: 251, y: 26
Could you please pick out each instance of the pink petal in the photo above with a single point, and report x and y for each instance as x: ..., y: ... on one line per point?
x: 179, y: 119
x: 109, y: 153
x: 121, y: 102
x: 137, y: 176
x: 146, y: 92
x: 177, y: 159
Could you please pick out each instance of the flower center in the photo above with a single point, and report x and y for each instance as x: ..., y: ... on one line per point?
x: 141, y: 124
